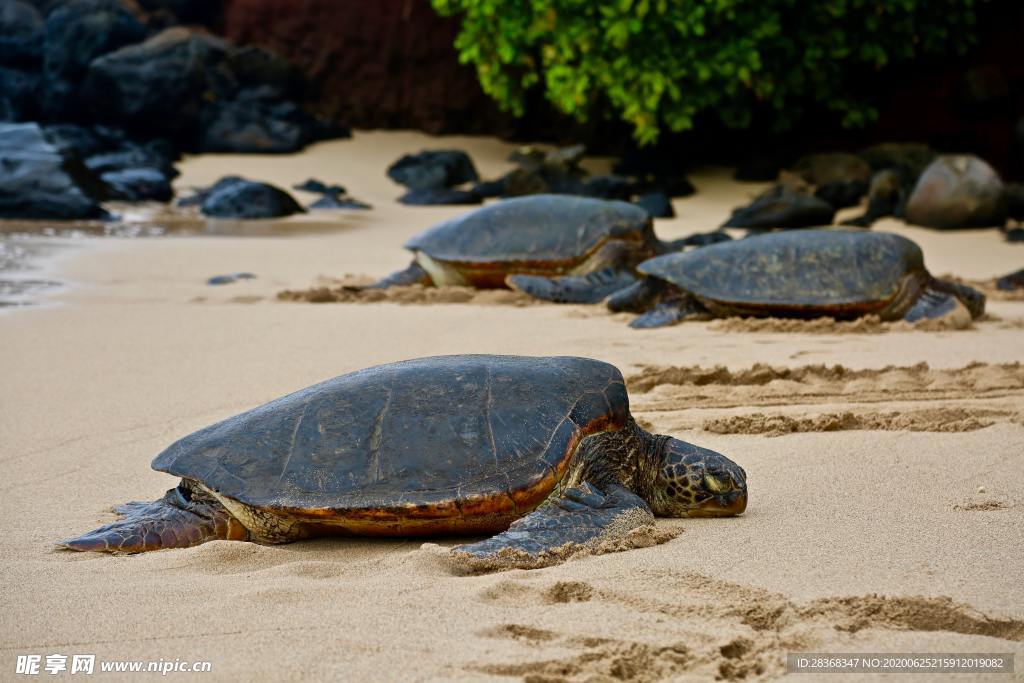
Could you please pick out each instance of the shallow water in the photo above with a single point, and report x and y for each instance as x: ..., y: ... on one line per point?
x: 26, y: 246
x: 22, y: 272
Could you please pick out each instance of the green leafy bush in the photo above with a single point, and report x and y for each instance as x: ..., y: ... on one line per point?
x: 660, y: 63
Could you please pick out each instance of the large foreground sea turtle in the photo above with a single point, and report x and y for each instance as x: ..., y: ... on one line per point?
x: 583, y: 248
x: 799, y: 274
x: 444, y: 445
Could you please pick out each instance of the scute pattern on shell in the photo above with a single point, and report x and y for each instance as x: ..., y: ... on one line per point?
x: 431, y: 434
x: 536, y: 229
x: 814, y: 268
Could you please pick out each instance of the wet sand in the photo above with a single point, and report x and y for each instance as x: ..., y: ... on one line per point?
x: 886, y: 507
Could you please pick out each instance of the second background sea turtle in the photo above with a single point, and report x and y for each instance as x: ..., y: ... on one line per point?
x: 799, y: 274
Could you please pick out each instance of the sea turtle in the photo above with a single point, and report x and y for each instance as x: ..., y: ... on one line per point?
x: 800, y: 274
x: 581, y: 249
x: 444, y: 445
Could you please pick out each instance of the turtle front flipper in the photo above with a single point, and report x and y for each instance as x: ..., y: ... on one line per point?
x: 582, y: 520
x: 573, y: 289
x: 183, y: 517
x: 414, y: 274
x: 670, y: 312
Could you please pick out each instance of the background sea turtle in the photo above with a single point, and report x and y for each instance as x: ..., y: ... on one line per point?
x: 800, y: 274
x: 443, y: 445
x: 583, y: 248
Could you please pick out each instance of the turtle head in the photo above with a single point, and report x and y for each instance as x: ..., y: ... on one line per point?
x: 697, y: 482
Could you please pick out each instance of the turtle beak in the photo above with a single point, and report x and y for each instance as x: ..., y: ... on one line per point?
x: 728, y: 495
x: 722, y: 505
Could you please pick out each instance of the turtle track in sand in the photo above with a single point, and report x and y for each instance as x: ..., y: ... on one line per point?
x: 711, y: 628
x: 869, y: 324
x: 945, y: 419
x: 909, y: 398
x: 350, y: 289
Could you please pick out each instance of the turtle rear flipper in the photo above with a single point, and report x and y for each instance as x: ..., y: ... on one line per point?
x: 583, y: 519
x: 180, y: 519
x: 941, y: 299
x: 573, y: 289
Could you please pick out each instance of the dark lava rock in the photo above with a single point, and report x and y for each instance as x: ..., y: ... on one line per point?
x: 555, y: 171
x: 338, y: 200
x: 432, y: 169
x: 203, y: 93
x: 700, y: 239
x: 543, y: 180
x: 1012, y: 281
x: 885, y: 198
x: 76, y: 33
x: 200, y: 194
x: 957, y: 191
x: 138, y: 184
x: 439, y: 196
x: 19, y: 94
x: 842, y: 194
x: 37, y: 181
x: 235, y: 197
x: 657, y: 204
x: 830, y: 167
x: 318, y: 186
x: 133, y: 155
x: 781, y: 206
x: 840, y: 179
x: 610, y: 187
x: 257, y: 120
x: 21, y: 34
x: 72, y: 139
x: 156, y: 87
x: 489, y: 188
x: 908, y: 158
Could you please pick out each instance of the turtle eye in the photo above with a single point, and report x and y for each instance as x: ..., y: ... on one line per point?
x: 718, y: 485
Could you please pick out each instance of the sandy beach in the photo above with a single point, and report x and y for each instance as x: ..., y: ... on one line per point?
x: 886, y: 498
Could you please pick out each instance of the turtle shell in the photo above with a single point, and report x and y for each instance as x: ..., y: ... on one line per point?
x: 539, y: 229
x: 417, y: 446
x: 824, y: 272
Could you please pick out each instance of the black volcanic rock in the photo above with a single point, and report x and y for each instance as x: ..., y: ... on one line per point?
x: 609, y: 187
x: 19, y: 94
x: 235, y: 197
x: 338, y: 200
x: 76, y: 33
x: 438, y: 196
x: 957, y: 191
x: 781, y: 206
x: 138, y: 184
x: 21, y: 34
x: 204, y: 94
x: 432, y: 169
x: 657, y: 204
x: 38, y: 181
